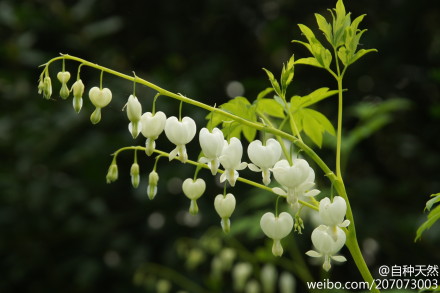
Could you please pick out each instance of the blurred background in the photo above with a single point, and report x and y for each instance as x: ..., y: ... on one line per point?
x: 63, y: 229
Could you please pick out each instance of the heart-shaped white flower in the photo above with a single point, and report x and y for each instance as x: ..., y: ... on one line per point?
x: 193, y: 189
x: 327, y: 244
x: 225, y: 206
x: 231, y: 160
x: 333, y: 213
x: 63, y: 76
x: 264, y: 157
x: 212, y: 146
x: 276, y: 228
x: 180, y: 133
x: 100, y: 97
x: 291, y: 176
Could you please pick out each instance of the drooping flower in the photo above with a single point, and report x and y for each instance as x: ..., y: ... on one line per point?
x: 99, y: 98
x: 193, y: 189
x: 63, y: 77
x: 327, y: 245
x: 112, y: 173
x: 297, y: 179
x: 212, y: 145
x: 276, y: 228
x: 231, y: 160
x: 180, y: 133
x: 225, y: 206
x: 78, y: 91
x: 152, y: 127
x: 333, y: 213
x: 134, y: 112
x: 264, y: 157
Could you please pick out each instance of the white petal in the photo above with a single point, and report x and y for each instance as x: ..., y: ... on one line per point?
x: 339, y: 258
x: 254, y: 167
x: 279, y: 191
x: 313, y: 253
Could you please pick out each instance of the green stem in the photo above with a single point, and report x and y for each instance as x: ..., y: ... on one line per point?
x: 339, y: 131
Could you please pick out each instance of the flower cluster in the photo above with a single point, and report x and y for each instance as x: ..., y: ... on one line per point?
x: 328, y: 238
x: 294, y: 178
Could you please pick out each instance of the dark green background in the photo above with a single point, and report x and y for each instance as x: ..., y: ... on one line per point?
x: 63, y: 229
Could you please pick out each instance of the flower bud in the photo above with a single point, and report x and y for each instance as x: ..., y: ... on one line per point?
x: 78, y: 88
x: 112, y: 174
x: 227, y: 256
x: 47, y: 87
x: 78, y: 91
x: 153, y: 179
x: 134, y: 173
x: 40, y: 85
x: 134, y: 109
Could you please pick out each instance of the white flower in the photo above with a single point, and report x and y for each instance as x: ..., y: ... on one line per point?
x: 152, y: 127
x: 63, y: 76
x: 231, y: 160
x: 276, y: 228
x: 332, y: 214
x: 297, y: 180
x: 100, y: 97
x: 264, y: 157
x: 287, y: 283
x: 225, y: 206
x: 180, y: 133
x: 327, y: 245
x: 212, y: 146
x: 134, y: 112
x: 193, y: 189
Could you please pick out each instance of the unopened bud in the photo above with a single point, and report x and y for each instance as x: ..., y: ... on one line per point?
x: 268, y: 278
x: 153, y: 179
x: 47, y: 87
x: 112, y: 174
x: 287, y: 283
x: 240, y: 274
x: 78, y: 88
x: 252, y: 287
x: 134, y: 173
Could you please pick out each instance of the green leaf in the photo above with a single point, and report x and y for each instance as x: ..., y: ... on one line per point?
x: 312, y: 122
x: 309, y: 61
x: 432, y: 201
x: 264, y: 93
x: 361, y: 53
x: 324, y: 26
x: 316, y: 96
x: 433, y: 216
x: 273, y: 81
x: 270, y: 107
x: 239, y: 106
x: 312, y: 127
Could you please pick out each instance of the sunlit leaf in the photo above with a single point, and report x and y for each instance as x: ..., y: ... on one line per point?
x: 309, y: 61
x: 270, y: 107
x: 264, y: 93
